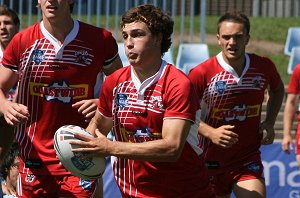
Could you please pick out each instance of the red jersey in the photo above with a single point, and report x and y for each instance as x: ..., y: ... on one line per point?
x: 53, y: 76
x: 138, y: 110
x: 294, y: 85
x: 229, y: 99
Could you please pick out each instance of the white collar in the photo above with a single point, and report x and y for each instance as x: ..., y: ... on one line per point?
x: 230, y: 69
x: 141, y: 87
x: 67, y: 40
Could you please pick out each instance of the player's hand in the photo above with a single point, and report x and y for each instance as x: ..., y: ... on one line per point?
x: 224, y: 136
x: 287, y: 144
x: 268, y: 133
x: 14, y: 113
x: 87, y: 108
x: 94, y: 145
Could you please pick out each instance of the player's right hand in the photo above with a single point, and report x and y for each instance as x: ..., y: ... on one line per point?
x: 287, y: 144
x: 15, y: 113
x: 224, y: 136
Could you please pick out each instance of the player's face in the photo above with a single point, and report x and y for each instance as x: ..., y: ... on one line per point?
x: 141, y: 46
x: 7, y: 30
x: 14, y: 172
x: 56, y: 9
x: 233, y: 39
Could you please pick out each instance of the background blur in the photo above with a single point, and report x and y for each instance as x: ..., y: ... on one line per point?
x: 195, y: 23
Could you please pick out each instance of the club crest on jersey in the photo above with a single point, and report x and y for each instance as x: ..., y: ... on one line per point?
x: 220, y: 86
x: 156, y: 102
x: 82, y: 57
x: 121, y: 100
x: 258, y: 82
x: 37, y: 56
x: 29, y: 178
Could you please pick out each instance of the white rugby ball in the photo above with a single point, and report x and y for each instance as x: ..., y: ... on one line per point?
x: 86, y: 168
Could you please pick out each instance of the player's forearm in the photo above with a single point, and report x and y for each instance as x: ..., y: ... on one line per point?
x: 205, y: 130
x: 155, y: 151
x: 166, y: 149
x: 288, y: 118
x: 3, y: 100
x: 99, y: 122
x: 274, y: 104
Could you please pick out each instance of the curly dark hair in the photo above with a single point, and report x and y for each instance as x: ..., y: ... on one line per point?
x: 9, y: 159
x: 156, y: 20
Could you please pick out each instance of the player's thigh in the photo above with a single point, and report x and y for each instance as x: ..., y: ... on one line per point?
x: 252, y: 188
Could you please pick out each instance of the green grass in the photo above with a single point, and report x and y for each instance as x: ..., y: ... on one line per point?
x: 262, y: 28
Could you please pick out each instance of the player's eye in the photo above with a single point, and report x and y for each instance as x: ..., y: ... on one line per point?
x: 125, y: 36
x: 226, y: 37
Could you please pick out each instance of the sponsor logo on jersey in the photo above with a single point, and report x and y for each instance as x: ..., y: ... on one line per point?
x: 258, y: 82
x: 82, y: 57
x: 239, y: 112
x: 29, y: 178
x: 58, y: 67
x: 121, y: 100
x: 37, y: 56
x: 140, y: 135
x: 253, y: 166
x: 85, y: 184
x: 59, y: 91
x: 220, y: 86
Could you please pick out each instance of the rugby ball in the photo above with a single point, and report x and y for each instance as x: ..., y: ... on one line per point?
x: 86, y: 168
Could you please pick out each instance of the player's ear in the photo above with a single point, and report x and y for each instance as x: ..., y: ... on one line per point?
x: 218, y: 37
x: 248, y: 38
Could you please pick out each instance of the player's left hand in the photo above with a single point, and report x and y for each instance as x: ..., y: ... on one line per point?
x: 268, y: 133
x: 87, y: 108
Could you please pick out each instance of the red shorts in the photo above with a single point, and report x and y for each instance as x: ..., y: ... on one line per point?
x: 298, y: 142
x: 46, y: 186
x: 222, y: 182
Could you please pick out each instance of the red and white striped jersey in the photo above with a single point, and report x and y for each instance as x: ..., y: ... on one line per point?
x: 53, y: 76
x: 234, y: 100
x: 138, y: 110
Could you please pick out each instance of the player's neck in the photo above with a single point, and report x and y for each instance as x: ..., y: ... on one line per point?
x: 237, y: 64
x: 58, y: 29
x: 146, y: 71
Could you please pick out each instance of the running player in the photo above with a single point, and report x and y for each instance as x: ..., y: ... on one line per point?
x: 9, y: 26
x: 231, y: 87
x: 291, y: 104
x: 151, y: 106
x: 56, y: 62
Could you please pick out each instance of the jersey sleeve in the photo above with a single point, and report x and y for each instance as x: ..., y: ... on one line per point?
x: 106, y: 98
x: 182, y: 102
x: 294, y: 81
x: 197, y: 78
x: 111, y: 49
